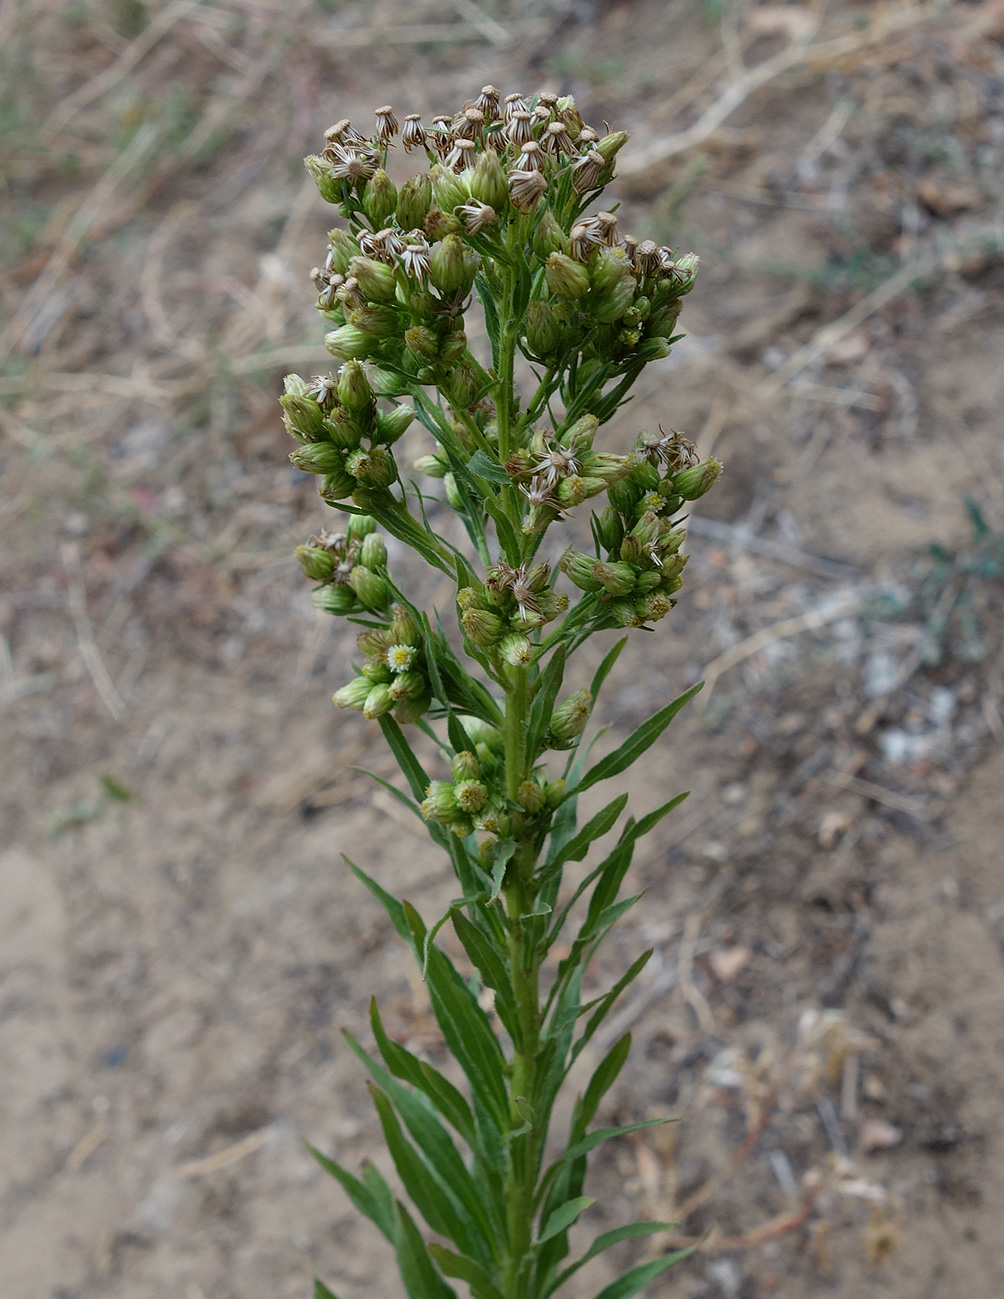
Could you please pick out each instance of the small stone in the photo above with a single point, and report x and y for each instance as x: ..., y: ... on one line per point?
x: 726, y: 962
x: 878, y: 1134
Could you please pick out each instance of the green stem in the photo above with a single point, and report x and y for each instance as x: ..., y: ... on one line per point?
x: 524, y: 1150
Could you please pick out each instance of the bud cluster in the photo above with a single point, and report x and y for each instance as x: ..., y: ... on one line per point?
x: 343, y: 437
x: 557, y: 473
x: 351, y: 568
x: 499, y: 619
x: 394, y: 677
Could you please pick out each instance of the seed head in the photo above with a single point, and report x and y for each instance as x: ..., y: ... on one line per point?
x: 556, y: 139
x: 477, y: 216
x: 386, y: 124
x: 413, y: 134
x: 513, y: 104
x: 488, y: 102
x: 525, y: 189
x: 519, y: 128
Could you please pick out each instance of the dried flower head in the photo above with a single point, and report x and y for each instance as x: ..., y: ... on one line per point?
x: 413, y: 134
x: 526, y: 188
x: 386, y: 124
x: 488, y: 102
x: 513, y: 104
x: 519, y: 128
x: 477, y: 215
x: 353, y: 165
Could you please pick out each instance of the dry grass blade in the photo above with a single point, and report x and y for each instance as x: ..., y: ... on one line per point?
x: 86, y: 643
x: 122, y: 66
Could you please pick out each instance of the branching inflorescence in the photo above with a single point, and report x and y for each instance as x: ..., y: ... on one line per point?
x: 500, y: 214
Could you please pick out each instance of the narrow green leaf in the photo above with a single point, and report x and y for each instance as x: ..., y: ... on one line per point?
x: 639, y: 1277
x: 489, y: 469
x: 465, y: 1269
x: 487, y: 299
x: 508, y: 539
x: 594, y: 1139
x: 406, y: 760
x: 609, y: 1238
x: 368, y: 1204
x: 606, y: 1002
x: 435, y: 1200
x: 636, y: 743
x: 594, y: 828
x: 409, y: 803
x: 390, y: 904
x: 504, y: 850
x: 602, y: 1080
x: 321, y: 1291
x: 466, y: 1028
x: 561, y: 1218
x: 420, y: 1277
x: 603, y: 671
x: 402, y: 1064
x: 543, y: 703
x: 493, y: 970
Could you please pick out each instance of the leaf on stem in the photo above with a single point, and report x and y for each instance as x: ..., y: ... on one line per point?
x: 420, y: 1277
x: 561, y: 1218
x: 465, y: 1269
x: 637, y: 742
x: 548, y: 685
x: 609, y: 1238
x: 370, y: 1203
x: 639, y: 1277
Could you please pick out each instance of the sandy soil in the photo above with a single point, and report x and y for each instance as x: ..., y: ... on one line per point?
x: 181, y: 943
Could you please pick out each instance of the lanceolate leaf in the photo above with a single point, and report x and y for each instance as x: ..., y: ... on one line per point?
x: 637, y: 742
x: 594, y: 1139
x: 603, y: 671
x: 607, y: 1001
x: 370, y: 1205
x: 609, y: 1238
x: 561, y: 1218
x: 465, y: 1269
x: 394, y: 909
x: 639, y: 1277
x: 594, y: 829
x: 406, y: 760
x: 543, y: 704
x: 602, y: 1080
x: 321, y: 1291
x: 492, y: 968
x: 421, y: 1279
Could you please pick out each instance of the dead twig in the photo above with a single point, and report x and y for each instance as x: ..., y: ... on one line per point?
x: 86, y: 643
x: 692, y: 994
x: 224, y: 1158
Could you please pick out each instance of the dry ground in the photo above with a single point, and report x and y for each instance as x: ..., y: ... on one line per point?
x: 180, y: 942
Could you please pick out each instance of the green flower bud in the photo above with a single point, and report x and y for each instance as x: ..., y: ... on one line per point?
x: 373, y: 642
x: 453, y: 348
x: 623, y: 614
x: 337, y: 600
x: 421, y: 342
x: 378, y: 701
x: 359, y: 526
x: 531, y: 797
x: 569, y: 719
x: 471, y: 795
x: 662, y: 323
x: 653, y: 607
x: 342, y: 430
x: 377, y: 672
x: 390, y: 424
x: 515, y: 649
x: 438, y: 224
x: 465, y: 766
x: 578, y: 437
x: 609, y: 529
x: 467, y: 384
x: 318, y: 564
x: 294, y: 386
x: 648, y: 581
x: 554, y: 793
x: 328, y: 187
x: 482, y: 732
x: 304, y: 418
x: 482, y: 627
x: 671, y: 570
x: 440, y: 803
x: 379, y: 199
x: 410, y: 710
x: 610, y: 306
x: 549, y: 237
x: 616, y: 578
x: 448, y: 190
x: 486, y: 181
x: 373, y: 468
x: 343, y: 249
x: 572, y: 491
x: 370, y: 587
x: 453, y: 493
x: 543, y: 333
x: 408, y: 685
x: 647, y: 530
x: 376, y: 279
x: 373, y: 552
x: 608, y: 268
x: 578, y: 568
x: 354, y: 391
x: 336, y: 486
x: 404, y: 627
x: 468, y: 598
x: 414, y: 199
x: 349, y: 342
x: 452, y: 268
x: 670, y: 542
x: 433, y: 466
x: 353, y: 695
x: 379, y: 322
x: 565, y: 278
x: 698, y: 479
x: 463, y: 827
x: 317, y: 458
x: 552, y: 604
x: 612, y: 144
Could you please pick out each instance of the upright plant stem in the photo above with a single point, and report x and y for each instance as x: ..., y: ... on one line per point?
x: 523, y: 1150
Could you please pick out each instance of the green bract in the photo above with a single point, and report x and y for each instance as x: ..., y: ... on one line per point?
x: 505, y: 215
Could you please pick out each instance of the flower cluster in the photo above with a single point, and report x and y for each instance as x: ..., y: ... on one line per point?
x: 394, y: 677
x: 351, y: 568
x: 637, y: 531
x: 343, y: 437
x: 499, y: 619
